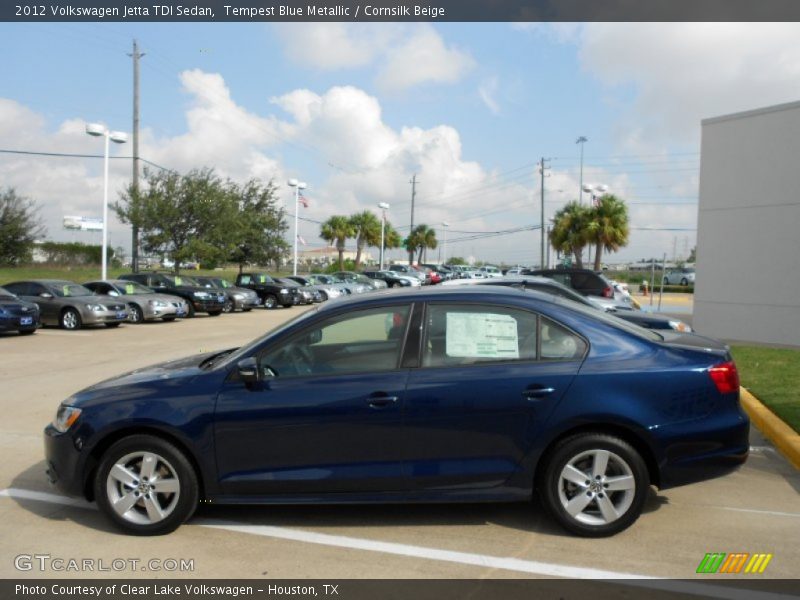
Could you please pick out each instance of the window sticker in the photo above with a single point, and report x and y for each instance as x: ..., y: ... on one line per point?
x: 129, y: 288
x: 262, y: 279
x: 481, y: 335
x: 65, y: 290
x: 178, y: 281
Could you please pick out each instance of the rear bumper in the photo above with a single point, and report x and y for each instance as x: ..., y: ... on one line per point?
x: 705, y: 449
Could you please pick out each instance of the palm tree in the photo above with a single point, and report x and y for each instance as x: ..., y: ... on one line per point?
x: 607, y: 226
x: 335, y: 231
x: 367, y: 231
x: 391, y: 237
x: 569, y: 232
x: 420, y: 239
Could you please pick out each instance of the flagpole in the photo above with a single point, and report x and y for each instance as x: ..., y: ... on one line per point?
x: 297, y: 185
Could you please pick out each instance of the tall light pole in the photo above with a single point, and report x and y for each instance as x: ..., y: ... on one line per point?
x: 445, y: 225
x: 384, y: 207
x: 297, y: 185
x: 97, y: 130
x: 581, y: 140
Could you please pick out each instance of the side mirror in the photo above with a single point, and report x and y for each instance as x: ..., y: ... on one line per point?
x: 46, y: 295
x: 248, y: 371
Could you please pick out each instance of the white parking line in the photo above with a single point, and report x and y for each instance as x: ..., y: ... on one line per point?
x: 47, y: 332
x: 465, y: 558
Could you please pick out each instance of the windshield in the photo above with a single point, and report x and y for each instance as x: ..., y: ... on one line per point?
x: 128, y: 288
x: 4, y: 293
x: 223, y: 283
x: 324, y: 279
x: 64, y: 289
x: 248, y: 349
x: 610, y: 319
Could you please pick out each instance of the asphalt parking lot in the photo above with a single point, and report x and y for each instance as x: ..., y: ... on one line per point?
x: 754, y: 510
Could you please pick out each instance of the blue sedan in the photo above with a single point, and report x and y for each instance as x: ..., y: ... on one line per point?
x: 430, y: 395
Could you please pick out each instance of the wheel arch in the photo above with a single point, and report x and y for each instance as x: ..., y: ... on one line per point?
x: 97, y: 452
x: 622, y: 432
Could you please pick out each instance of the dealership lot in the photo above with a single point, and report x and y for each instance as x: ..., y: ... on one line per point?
x: 755, y: 510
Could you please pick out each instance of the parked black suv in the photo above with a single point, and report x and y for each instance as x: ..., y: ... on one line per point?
x: 271, y: 292
x: 198, y: 298
x: 389, y: 278
x: 583, y: 281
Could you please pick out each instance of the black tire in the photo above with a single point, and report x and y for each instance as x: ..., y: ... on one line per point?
x: 324, y: 295
x: 168, y: 319
x: 623, y: 463
x: 27, y: 331
x: 214, y: 313
x: 191, y: 312
x: 135, y: 313
x: 684, y: 281
x: 112, y: 325
x: 270, y: 301
x: 228, y: 306
x: 70, y: 319
x: 171, y: 463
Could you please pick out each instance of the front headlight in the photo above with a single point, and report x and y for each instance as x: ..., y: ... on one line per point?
x: 680, y: 326
x: 65, y: 418
x: 239, y: 296
x: 284, y: 291
x: 95, y: 307
x: 157, y: 303
x: 200, y: 294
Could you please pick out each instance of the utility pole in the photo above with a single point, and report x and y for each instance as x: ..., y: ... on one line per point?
x: 413, y: 183
x: 542, y: 174
x: 136, y: 55
x: 581, y: 140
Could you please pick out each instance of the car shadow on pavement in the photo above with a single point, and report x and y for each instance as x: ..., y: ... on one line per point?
x: 521, y: 516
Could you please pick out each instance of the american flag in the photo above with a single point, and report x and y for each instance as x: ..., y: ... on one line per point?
x: 303, y: 200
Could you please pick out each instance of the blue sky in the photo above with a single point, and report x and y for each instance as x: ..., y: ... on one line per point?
x: 355, y: 110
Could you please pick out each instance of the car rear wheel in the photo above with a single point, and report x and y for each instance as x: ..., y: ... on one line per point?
x: 594, y: 484
x: 270, y: 301
x: 146, y: 485
x: 70, y: 319
x: 684, y: 281
x: 135, y: 314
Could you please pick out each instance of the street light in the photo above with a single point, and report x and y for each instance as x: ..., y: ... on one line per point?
x: 297, y: 185
x: 581, y: 140
x: 98, y: 130
x: 384, y: 206
x: 445, y: 225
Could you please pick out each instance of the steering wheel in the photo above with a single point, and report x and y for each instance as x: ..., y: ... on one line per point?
x: 295, y: 359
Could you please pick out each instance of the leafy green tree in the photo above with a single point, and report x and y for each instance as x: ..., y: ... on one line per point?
x: 367, y: 231
x: 19, y: 227
x: 456, y: 260
x: 569, y: 231
x: 260, y: 224
x: 186, y: 217
x: 420, y: 240
x: 607, y: 226
x: 335, y: 231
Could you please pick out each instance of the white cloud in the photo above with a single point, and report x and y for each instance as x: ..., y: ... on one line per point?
x: 685, y: 72
x: 488, y: 92
x: 404, y: 55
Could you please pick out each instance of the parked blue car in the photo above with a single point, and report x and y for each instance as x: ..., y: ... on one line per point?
x: 425, y: 395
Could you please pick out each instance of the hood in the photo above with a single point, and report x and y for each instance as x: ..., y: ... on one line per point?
x: 171, y: 370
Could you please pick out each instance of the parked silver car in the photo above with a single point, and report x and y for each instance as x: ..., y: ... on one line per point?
x: 327, y: 285
x: 679, y: 276
x: 143, y: 303
x: 236, y: 298
x: 69, y: 305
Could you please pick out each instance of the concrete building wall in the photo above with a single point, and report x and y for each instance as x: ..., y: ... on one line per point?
x: 748, y: 250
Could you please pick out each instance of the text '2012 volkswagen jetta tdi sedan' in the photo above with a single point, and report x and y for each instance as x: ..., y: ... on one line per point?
x: 463, y: 395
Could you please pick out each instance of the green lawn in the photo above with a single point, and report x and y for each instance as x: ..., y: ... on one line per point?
x: 773, y: 376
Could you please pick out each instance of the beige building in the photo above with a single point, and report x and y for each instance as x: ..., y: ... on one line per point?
x: 748, y: 232
x: 329, y: 255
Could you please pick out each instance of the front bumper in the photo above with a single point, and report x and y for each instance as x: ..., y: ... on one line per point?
x: 26, y: 322
x: 208, y: 304
x: 97, y: 317
x: 64, y: 461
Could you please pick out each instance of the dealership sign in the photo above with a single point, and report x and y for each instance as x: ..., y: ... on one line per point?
x: 83, y: 223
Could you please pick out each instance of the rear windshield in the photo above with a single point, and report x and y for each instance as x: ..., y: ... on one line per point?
x: 610, y: 319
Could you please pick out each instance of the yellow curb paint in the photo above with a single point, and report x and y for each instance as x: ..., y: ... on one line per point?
x: 786, y: 439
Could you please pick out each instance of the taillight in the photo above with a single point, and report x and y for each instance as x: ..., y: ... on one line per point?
x: 725, y: 377
x: 608, y: 292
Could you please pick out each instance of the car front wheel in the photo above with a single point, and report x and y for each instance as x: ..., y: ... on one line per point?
x: 146, y: 485
x: 270, y: 301
x: 71, y: 319
x: 594, y: 484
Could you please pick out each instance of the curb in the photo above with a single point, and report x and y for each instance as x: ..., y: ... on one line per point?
x: 779, y: 433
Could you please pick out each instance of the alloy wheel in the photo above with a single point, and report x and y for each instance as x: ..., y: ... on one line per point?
x: 143, y: 488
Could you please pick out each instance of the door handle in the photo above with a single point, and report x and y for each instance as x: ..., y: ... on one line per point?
x: 538, y: 392
x: 381, y: 401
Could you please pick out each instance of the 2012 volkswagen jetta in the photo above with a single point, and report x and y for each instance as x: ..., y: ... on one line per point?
x: 462, y: 395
